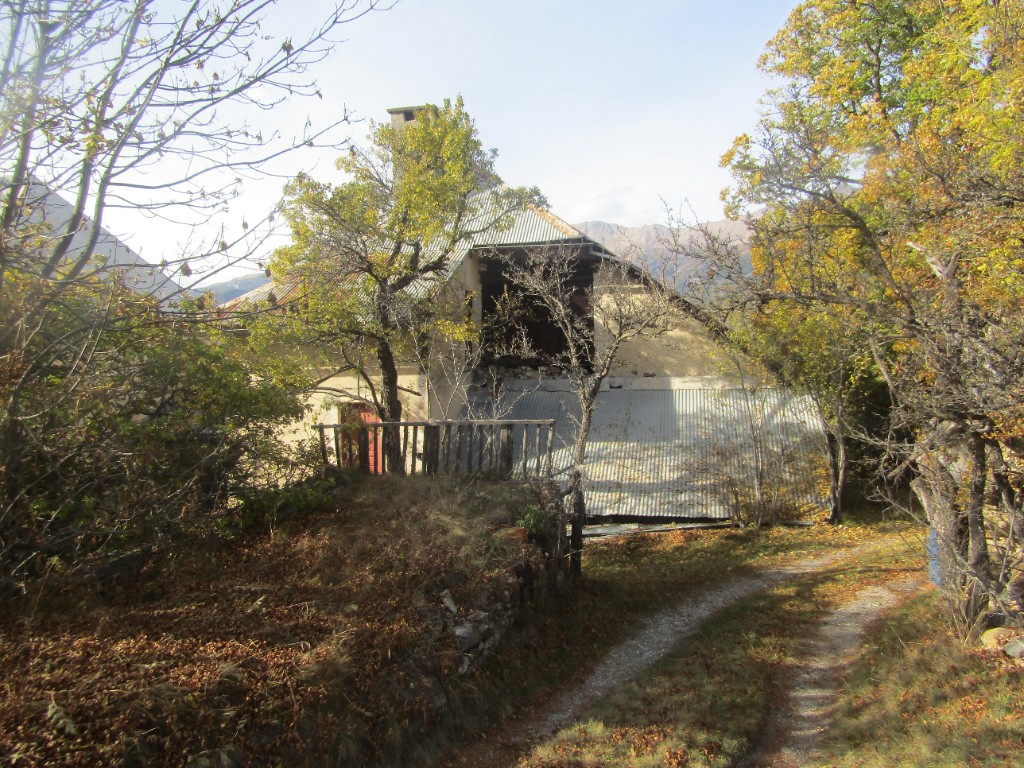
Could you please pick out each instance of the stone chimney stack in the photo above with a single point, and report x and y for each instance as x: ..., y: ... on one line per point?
x: 400, y: 116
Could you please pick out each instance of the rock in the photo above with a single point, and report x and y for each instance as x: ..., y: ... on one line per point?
x: 1015, y: 648
x: 232, y: 757
x: 467, y: 636
x: 995, y: 638
x: 446, y: 599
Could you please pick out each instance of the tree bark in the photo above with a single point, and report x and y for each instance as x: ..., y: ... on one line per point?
x: 578, y: 505
x: 837, y: 476
x: 979, y: 565
x: 391, y: 407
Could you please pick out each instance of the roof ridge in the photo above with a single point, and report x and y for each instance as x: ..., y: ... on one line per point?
x: 558, y: 223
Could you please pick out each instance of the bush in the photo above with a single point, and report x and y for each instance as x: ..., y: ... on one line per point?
x: 125, y: 425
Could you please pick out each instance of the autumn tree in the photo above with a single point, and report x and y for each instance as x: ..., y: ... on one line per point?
x: 157, y: 107
x: 372, y: 254
x: 886, y: 174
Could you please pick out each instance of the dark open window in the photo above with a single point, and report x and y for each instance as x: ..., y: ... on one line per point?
x: 546, y: 341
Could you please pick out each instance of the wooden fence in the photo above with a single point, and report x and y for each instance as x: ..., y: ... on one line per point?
x: 501, y: 448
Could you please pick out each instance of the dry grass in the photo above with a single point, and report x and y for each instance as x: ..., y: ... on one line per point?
x: 709, y: 701
x: 289, y: 647
x: 285, y: 648
x: 920, y: 697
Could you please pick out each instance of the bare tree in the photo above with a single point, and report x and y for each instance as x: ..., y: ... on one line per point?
x: 130, y: 104
x: 106, y: 103
x: 622, y: 303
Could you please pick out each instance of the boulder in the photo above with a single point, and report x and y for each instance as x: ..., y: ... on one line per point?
x: 995, y: 638
x: 1015, y: 648
x: 467, y: 636
x: 446, y: 600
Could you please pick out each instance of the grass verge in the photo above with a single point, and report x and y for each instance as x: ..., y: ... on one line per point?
x: 920, y: 697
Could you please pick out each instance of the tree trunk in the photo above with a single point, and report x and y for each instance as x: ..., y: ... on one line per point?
x: 391, y: 407
x: 579, y: 518
x: 588, y: 399
x: 951, y: 486
x: 837, y: 476
x: 978, y: 587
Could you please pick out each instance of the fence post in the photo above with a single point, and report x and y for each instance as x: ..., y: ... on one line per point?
x: 323, y: 442
x: 431, y: 449
x: 506, y: 445
x: 549, y: 448
x: 363, y: 436
x: 446, y: 447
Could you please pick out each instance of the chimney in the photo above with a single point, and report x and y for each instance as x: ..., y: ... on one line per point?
x: 400, y: 116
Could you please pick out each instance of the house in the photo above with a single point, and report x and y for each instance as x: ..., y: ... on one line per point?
x: 675, y: 434
x: 678, y: 430
x: 47, y: 215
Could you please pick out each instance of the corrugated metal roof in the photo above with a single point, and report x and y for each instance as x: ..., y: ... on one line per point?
x: 530, y: 225
x: 685, y: 453
x: 279, y: 292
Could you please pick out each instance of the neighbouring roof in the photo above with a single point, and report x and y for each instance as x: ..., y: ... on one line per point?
x: 680, y: 453
x: 110, y: 255
x: 278, y: 292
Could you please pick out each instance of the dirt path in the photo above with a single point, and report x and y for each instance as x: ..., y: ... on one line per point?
x: 796, y: 731
x: 651, y: 643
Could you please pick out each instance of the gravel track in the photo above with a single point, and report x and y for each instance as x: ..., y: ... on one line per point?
x: 813, y: 691
x: 659, y: 634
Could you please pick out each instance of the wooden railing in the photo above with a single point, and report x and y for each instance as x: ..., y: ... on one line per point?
x: 502, y: 448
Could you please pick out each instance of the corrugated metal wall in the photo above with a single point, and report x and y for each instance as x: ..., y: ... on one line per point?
x: 688, y: 453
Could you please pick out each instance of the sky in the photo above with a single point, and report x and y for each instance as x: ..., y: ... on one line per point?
x: 610, y: 107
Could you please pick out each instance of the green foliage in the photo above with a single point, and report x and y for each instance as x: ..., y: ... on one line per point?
x: 541, y: 522
x: 268, y: 506
x: 372, y: 253
x: 128, y: 424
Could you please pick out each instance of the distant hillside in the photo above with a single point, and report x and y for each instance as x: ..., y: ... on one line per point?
x: 649, y: 237
x: 231, y: 289
x: 651, y: 243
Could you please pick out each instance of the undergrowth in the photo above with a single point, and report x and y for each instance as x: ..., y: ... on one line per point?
x: 320, y: 641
